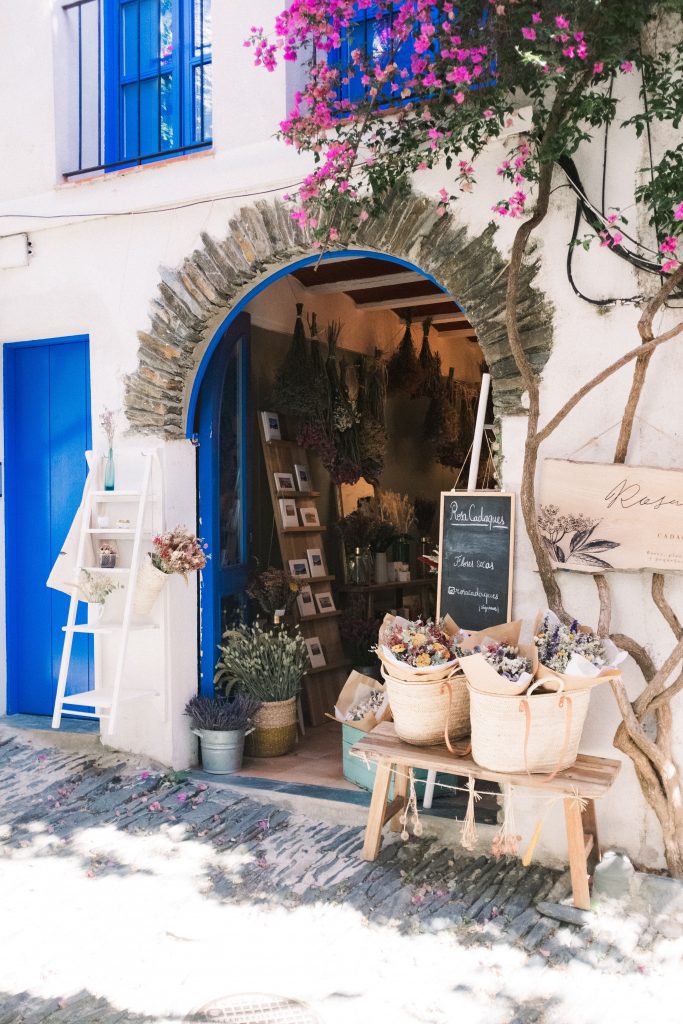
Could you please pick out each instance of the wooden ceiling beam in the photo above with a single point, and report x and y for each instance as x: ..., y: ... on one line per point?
x: 411, y: 300
x: 361, y: 283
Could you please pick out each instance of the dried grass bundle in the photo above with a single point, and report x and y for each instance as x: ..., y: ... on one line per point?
x: 404, y: 371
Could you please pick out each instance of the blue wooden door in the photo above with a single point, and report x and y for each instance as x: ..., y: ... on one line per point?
x: 47, y: 431
x: 223, y: 492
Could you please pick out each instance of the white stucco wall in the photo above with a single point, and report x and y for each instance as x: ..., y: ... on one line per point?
x: 95, y: 269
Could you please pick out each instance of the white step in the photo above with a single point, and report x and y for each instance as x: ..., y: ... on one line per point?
x: 104, y: 699
x: 116, y: 495
x: 110, y: 627
x: 115, y: 531
x: 107, y: 572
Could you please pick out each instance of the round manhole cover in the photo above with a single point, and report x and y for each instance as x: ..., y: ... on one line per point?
x: 251, y: 1008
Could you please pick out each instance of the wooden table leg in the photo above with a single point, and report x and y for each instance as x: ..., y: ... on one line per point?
x: 590, y: 831
x: 400, y: 789
x: 378, y: 803
x: 577, y: 854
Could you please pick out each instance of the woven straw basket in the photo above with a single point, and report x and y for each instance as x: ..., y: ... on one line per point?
x: 274, y: 732
x: 424, y: 707
x: 150, y: 582
x: 537, y: 732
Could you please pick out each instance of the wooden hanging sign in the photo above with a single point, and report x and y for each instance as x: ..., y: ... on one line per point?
x: 597, y: 517
x: 476, y: 547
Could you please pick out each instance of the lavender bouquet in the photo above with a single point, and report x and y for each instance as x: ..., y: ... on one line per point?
x: 574, y: 650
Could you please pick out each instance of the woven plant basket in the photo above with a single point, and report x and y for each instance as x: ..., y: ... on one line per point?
x: 275, y: 726
x: 424, y: 708
x: 535, y: 732
x: 408, y: 674
x: 151, y: 581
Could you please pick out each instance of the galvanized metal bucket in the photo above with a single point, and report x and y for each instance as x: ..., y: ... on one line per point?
x: 222, y: 751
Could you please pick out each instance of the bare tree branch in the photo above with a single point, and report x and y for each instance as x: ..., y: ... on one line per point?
x: 600, y: 378
x: 605, y: 596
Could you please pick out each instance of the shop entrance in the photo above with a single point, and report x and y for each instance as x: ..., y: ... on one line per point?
x: 370, y: 314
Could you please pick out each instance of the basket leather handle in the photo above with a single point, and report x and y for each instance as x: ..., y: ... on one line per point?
x: 456, y: 753
x: 565, y: 701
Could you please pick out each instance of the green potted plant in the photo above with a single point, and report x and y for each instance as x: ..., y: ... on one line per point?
x: 268, y: 665
x: 221, y: 726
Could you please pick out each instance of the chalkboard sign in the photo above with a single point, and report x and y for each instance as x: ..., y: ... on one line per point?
x: 476, y: 544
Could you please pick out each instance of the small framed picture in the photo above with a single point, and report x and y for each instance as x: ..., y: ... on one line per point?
x: 309, y: 516
x: 315, y: 561
x: 298, y: 568
x: 325, y: 602
x: 288, y: 512
x: 304, y: 600
x: 271, y: 426
x: 284, y: 482
x: 315, y: 652
x: 303, y: 478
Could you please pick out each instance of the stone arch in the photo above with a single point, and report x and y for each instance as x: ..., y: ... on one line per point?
x: 193, y: 299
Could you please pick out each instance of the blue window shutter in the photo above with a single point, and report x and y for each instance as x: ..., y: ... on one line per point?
x: 153, y: 70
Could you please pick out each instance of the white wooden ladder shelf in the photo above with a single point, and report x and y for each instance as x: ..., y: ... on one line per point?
x: 136, y: 539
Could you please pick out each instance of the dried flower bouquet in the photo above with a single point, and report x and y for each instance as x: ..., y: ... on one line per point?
x: 574, y: 650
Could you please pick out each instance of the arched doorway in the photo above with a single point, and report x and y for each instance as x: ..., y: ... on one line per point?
x: 373, y: 295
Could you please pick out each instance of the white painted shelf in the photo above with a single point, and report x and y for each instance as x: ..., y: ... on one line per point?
x: 110, y: 627
x: 104, y: 699
x: 113, y: 531
x: 119, y: 571
x: 116, y: 495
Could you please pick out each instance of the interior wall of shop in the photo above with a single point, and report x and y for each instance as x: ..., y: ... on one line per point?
x: 408, y: 468
x: 96, y: 274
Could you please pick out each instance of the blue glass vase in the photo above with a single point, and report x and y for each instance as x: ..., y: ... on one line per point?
x: 109, y: 472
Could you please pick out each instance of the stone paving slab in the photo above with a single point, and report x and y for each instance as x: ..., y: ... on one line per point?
x: 64, y: 813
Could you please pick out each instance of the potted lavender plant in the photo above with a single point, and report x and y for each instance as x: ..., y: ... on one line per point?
x: 222, y: 726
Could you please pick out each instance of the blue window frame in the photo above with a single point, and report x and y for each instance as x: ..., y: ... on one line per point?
x: 157, y: 76
x: 371, y: 35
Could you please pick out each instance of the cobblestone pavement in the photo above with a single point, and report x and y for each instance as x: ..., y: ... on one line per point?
x: 130, y: 895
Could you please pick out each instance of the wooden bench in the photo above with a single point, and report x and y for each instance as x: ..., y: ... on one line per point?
x: 591, y: 777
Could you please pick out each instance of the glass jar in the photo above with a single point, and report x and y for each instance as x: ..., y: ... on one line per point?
x: 358, y: 568
x: 401, y: 549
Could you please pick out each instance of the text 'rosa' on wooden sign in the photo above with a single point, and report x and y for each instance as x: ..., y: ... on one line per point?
x: 597, y: 517
x: 476, y: 543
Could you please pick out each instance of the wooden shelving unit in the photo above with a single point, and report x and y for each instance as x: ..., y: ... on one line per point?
x: 321, y: 685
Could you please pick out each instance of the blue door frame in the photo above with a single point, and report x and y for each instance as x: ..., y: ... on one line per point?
x: 218, y: 581
x: 47, y: 431
x: 202, y: 419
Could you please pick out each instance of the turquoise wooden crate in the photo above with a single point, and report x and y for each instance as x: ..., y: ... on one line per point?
x: 356, y: 770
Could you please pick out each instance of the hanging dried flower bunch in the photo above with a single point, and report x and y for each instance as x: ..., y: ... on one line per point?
x: 404, y: 372
x: 376, y: 382
x: 440, y: 419
x: 292, y: 388
x: 372, y: 435
x: 430, y: 364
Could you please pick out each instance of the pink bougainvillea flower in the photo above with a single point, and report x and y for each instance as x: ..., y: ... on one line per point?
x: 444, y: 195
x: 678, y: 212
x: 154, y: 806
x: 529, y: 33
x: 561, y: 21
x: 459, y: 97
x: 181, y: 798
x: 488, y: 114
x: 536, y: 18
x: 670, y: 244
x: 626, y: 67
x: 598, y: 67
x: 263, y: 824
x: 670, y: 265
x: 144, y: 775
x: 363, y: 216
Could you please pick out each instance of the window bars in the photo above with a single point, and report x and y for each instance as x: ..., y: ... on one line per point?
x: 138, y: 79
